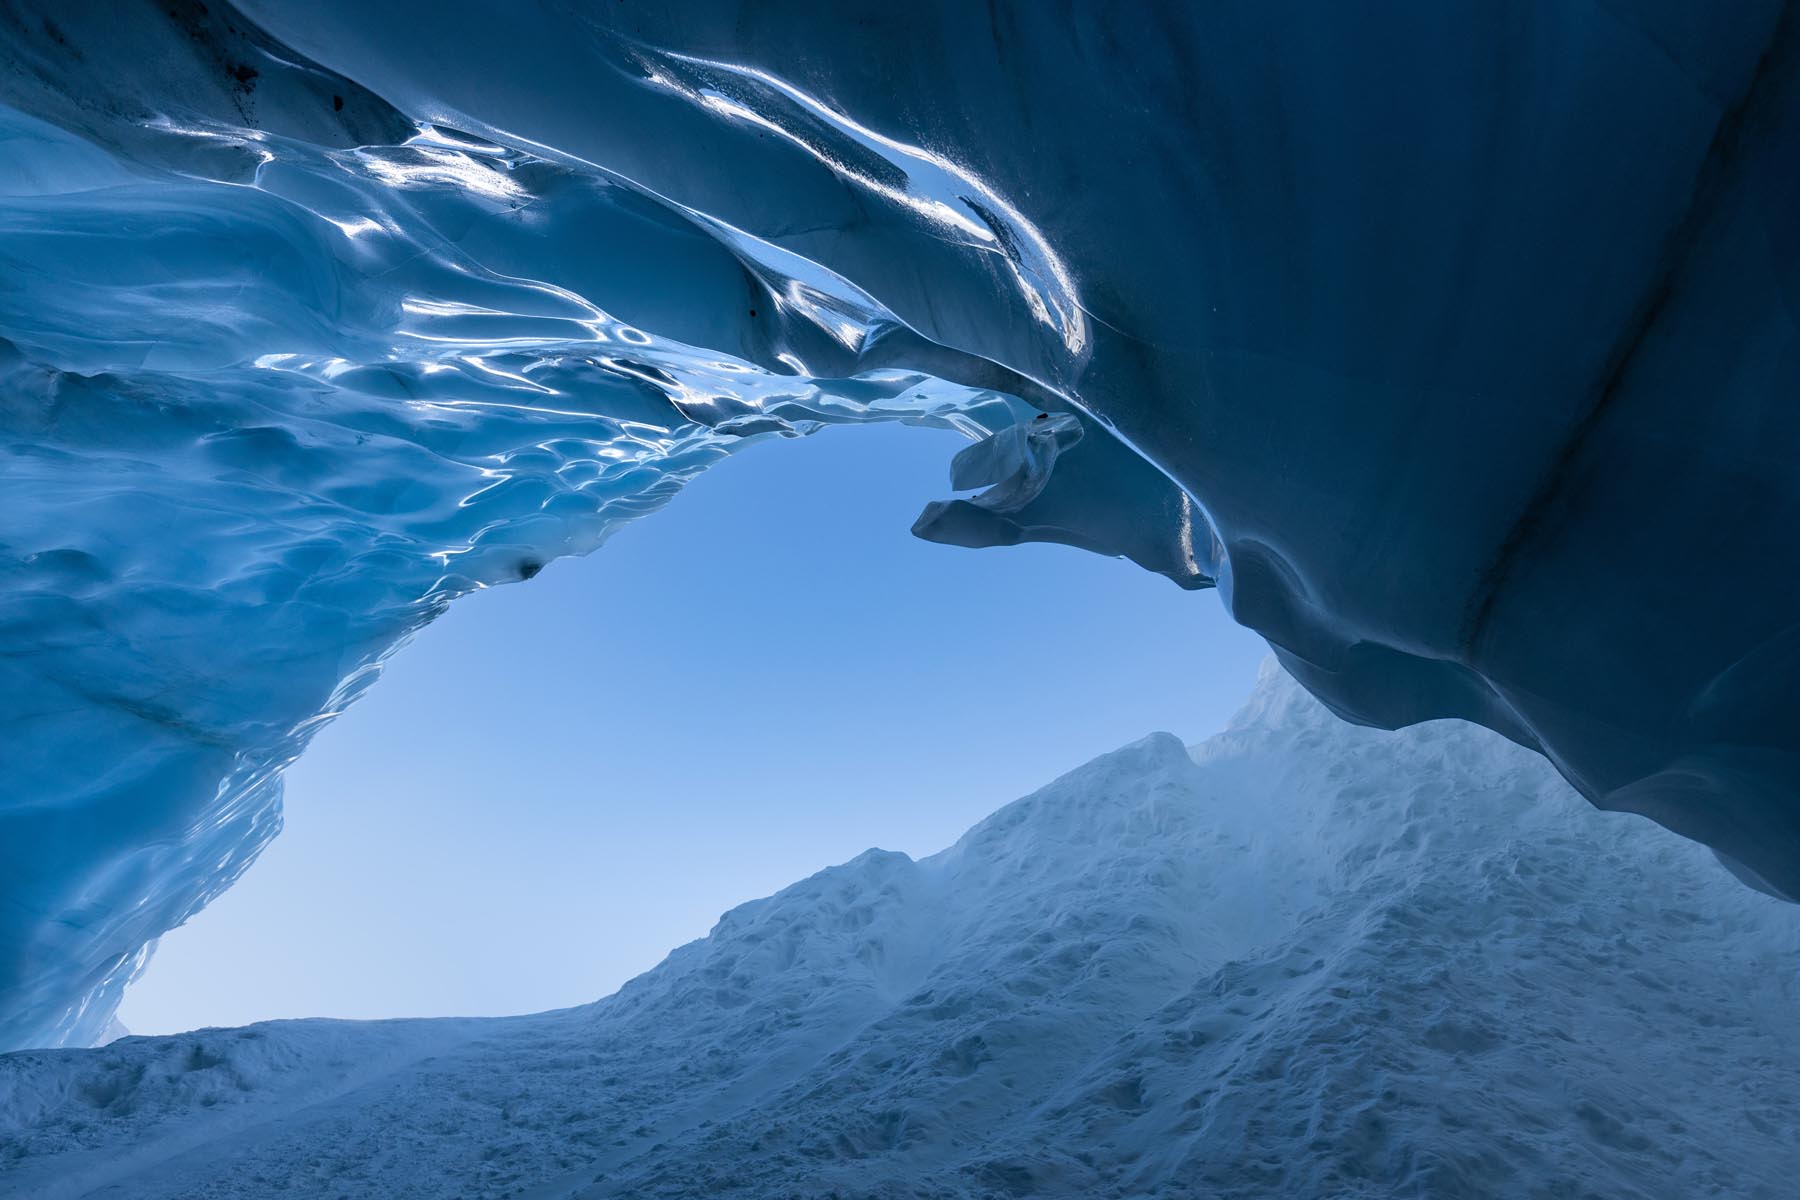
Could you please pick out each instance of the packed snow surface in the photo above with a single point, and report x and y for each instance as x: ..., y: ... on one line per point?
x: 1306, y: 960
x: 1455, y: 343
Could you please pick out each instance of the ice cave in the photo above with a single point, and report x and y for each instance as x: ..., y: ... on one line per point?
x: 1454, y: 345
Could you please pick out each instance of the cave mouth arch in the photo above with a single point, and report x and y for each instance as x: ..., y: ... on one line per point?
x: 556, y: 783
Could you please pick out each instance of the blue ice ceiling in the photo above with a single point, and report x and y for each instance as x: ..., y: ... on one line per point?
x: 1453, y: 342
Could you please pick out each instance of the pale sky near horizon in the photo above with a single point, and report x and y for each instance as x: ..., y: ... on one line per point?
x: 559, y: 782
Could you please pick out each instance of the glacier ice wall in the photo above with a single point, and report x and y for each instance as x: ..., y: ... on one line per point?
x: 1454, y: 343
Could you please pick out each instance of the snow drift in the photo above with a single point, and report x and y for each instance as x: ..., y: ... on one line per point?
x: 1309, y: 960
x: 1454, y: 344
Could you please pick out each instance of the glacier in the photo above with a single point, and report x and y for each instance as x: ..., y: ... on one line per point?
x: 1303, y: 959
x: 1453, y: 344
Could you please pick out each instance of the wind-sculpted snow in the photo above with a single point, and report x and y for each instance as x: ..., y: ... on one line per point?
x: 1454, y: 343
x: 1311, y: 960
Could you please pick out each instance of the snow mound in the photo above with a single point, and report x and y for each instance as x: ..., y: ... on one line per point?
x: 1307, y: 960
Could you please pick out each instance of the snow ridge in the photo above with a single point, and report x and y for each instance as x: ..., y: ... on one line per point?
x: 1305, y: 959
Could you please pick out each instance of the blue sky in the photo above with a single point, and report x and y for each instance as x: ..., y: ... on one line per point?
x: 558, y: 782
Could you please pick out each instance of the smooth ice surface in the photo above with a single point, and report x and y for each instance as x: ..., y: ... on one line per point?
x: 1454, y: 343
x: 1309, y: 960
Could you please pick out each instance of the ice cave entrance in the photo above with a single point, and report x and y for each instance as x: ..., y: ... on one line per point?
x: 540, y: 797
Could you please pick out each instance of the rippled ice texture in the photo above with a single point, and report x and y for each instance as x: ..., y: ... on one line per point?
x: 1442, y: 338
x: 271, y: 404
